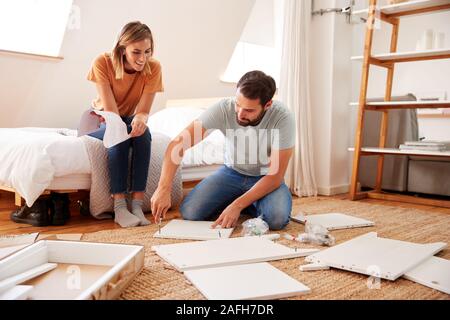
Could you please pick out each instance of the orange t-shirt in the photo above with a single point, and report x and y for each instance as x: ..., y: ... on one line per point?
x: 127, y: 91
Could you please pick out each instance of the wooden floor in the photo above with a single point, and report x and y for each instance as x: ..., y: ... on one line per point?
x: 83, y: 224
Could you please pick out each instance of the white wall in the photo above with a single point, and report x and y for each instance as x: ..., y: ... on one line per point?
x: 330, y: 85
x: 194, y: 41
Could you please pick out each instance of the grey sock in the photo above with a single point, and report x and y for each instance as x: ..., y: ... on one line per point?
x: 136, y: 209
x: 122, y: 216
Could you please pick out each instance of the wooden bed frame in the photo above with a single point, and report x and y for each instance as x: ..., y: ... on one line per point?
x: 18, y: 200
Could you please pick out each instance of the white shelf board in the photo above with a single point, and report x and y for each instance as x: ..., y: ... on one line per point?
x: 404, y: 7
x: 438, y: 104
x: 385, y: 57
x: 333, y: 221
x: 192, y: 230
x: 404, y: 152
x: 245, y: 282
x: 226, y: 252
x: 374, y: 256
x: 433, y: 273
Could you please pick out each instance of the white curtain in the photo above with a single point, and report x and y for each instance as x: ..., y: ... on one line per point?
x: 294, y: 92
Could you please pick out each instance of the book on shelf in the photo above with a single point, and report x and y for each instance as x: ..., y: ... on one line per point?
x: 423, y: 148
x: 430, y: 143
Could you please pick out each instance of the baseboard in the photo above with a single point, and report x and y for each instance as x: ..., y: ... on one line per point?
x: 333, y: 190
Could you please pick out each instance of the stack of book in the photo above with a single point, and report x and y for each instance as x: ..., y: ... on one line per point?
x: 426, y: 145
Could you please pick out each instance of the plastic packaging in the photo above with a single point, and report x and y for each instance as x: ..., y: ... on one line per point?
x: 316, y: 234
x: 254, y: 227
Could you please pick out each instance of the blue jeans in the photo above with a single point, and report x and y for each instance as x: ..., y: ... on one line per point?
x: 211, y: 196
x: 118, y: 160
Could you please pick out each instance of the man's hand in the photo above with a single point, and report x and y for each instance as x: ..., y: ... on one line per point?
x: 138, y: 126
x: 160, y: 203
x: 228, y: 218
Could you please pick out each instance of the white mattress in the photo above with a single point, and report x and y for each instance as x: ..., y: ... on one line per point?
x: 67, y: 152
x: 30, y: 158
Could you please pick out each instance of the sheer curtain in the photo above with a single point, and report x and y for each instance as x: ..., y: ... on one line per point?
x: 294, y: 92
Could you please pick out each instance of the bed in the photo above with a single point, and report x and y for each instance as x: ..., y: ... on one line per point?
x: 36, y: 161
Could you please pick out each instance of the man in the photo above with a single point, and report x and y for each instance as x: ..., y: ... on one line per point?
x: 251, y: 181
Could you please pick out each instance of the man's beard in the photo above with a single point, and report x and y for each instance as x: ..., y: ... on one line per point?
x: 253, y: 123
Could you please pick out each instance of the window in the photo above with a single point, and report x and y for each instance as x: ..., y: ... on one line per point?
x: 33, y: 26
x: 259, y: 47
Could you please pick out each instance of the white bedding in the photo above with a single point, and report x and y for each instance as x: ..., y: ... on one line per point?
x: 32, y: 158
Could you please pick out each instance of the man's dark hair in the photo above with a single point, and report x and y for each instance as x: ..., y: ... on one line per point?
x: 257, y: 85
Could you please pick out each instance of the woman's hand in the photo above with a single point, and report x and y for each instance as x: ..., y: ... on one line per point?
x: 100, y: 118
x: 138, y: 126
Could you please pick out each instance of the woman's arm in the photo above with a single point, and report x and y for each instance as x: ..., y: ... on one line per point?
x: 107, y: 97
x: 139, y: 123
x: 145, y: 105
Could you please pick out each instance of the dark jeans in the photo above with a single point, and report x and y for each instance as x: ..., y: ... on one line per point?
x: 118, y: 160
x: 211, y: 196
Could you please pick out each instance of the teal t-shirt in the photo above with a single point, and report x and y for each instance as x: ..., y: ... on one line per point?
x: 248, y: 149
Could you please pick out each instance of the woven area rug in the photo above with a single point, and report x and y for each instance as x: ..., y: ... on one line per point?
x: 160, y: 281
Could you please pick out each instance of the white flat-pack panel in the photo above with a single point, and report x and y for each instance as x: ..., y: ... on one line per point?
x: 4, y: 252
x: 404, y: 152
x: 100, y: 265
x: 406, y: 6
x: 226, y: 252
x: 313, y: 267
x: 334, y: 221
x: 245, y: 282
x: 407, y: 55
x: 11, y: 282
x: 374, y: 256
x: 433, y: 273
x: 16, y: 293
x: 192, y: 230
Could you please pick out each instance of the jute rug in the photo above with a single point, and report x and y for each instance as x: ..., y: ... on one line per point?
x: 159, y: 281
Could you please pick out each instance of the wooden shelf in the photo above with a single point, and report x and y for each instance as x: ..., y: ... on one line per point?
x: 393, y: 151
x: 391, y: 14
x: 433, y: 116
x: 382, y: 105
x: 406, y: 198
x: 409, y: 8
x: 398, y: 57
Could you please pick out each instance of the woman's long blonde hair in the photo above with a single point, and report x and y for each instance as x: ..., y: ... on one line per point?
x: 132, y: 32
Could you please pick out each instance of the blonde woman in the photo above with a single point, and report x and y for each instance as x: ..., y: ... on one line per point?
x: 127, y: 80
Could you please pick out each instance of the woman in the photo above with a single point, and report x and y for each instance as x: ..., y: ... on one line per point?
x: 127, y: 80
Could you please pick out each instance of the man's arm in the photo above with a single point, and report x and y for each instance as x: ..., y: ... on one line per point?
x: 279, y: 161
x: 188, y: 138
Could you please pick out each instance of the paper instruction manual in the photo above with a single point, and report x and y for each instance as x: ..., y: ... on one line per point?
x: 116, y: 130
